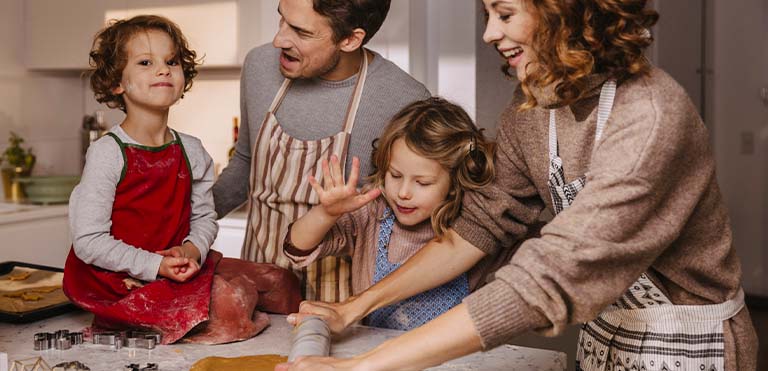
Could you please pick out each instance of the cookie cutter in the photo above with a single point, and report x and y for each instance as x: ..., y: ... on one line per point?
x: 144, y: 335
x: 143, y: 343
x: 137, y: 367
x: 62, y: 343
x: 113, y: 339
x: 76, y: 338
x: 43, y: 341
x: 61, y: 340
x: 71, y: 366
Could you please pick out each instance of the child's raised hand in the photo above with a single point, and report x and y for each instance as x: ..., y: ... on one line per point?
x: 336, y: 197
x: 177, y: 268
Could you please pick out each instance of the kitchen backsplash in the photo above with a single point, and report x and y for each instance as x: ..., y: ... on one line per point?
x: 205, y: 112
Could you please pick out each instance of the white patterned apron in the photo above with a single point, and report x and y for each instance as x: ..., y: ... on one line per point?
x: 421, y: 308
x: 643, y: 330
x: 280, y: 193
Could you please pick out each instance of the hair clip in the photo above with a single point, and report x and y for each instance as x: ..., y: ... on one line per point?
x: 472, y: 145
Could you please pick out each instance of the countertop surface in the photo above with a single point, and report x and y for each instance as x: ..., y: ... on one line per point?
x: 17, y: 341
x: 14, y: 213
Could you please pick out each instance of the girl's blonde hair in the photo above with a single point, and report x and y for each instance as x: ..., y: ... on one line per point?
x: 442, y: 131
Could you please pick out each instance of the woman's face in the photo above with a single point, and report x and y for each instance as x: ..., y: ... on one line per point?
x: 509, y: 29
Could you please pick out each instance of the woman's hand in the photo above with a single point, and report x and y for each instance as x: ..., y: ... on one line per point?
x: 336, y: 197
x: 338, y: 316
x: 322, y: 364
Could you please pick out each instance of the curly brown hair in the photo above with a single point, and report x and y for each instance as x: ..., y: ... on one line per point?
x: 574, y: 39
x: 108, y: 55
x: 442, y: 131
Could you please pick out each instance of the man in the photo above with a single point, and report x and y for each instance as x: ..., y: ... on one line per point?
x: 301, y: 98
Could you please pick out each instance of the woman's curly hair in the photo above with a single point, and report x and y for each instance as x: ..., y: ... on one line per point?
x: 439, y: 130
x: 576, y: 38
x: 108, y: 56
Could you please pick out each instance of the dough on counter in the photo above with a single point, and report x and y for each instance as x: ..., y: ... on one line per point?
x: 21, y: 276
x: 264, y: 362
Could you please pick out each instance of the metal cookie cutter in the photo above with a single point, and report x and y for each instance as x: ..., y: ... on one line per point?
x: 137, y: 367
x: 144, y: 343
x: 144, y: 335
x: 108, y: 338
x: 62, y: 343
x: 76, y: 338
x: 61, y: 340
x: 71, y: 366
x: 43, y: 341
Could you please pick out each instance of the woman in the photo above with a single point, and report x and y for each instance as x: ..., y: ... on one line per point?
x: 640, y: 247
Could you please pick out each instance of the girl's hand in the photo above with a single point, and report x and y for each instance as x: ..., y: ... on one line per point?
x: 132, y: 283
x: 336, y: 197
x: 187, y: 250
x: 177, y: 268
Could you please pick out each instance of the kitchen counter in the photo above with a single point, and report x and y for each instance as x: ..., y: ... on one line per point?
x: 16, y: 341
x: 34, y: 234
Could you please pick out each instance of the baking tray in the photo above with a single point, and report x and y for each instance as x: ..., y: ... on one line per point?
x: 37, y: 314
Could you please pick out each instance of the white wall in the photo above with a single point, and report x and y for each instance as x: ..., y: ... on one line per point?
x: 740, y: 60
x: 44, y: 108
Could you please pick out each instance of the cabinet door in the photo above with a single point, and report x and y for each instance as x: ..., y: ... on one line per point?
x: 214, y: 28
x: 229, y: 240
x: 58, y: 34
x: 210, y: 26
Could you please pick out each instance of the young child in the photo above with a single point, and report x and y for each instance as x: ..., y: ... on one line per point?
x: 142, y: 217
x: 425, y: 160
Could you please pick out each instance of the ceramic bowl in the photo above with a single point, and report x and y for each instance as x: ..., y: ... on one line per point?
x: 48, y: 189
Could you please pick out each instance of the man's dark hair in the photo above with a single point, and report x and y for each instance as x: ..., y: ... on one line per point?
x: 346, y: 15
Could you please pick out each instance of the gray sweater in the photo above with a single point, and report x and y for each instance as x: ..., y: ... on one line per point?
x: 90, y: 208
x: 312, y: 109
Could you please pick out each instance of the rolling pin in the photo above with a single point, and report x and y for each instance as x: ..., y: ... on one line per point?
x: 311, y: 337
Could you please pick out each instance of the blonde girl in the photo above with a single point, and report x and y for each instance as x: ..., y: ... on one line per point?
x: 427, y: 157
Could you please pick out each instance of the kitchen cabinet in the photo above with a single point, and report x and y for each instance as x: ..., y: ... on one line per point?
x: 34, y: 234
x: 220, y: 31
x: 229, y: 240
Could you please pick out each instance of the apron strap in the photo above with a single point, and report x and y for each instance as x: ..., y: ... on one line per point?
x: 681, y: 313
x: 279, y: 96
x: 604, y: 107
x: 349, y: 123
x: 552, y: 135
x: 607, y: 93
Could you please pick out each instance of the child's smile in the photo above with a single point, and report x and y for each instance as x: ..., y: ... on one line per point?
x: 152, y: 78
x: 414, y: 185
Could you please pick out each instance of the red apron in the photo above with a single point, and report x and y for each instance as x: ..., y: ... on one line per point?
x: 151, y: 211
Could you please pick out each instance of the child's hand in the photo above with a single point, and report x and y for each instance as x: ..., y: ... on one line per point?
x: 187, y: 250
x: 177, y: 268
x: 132, y: 283
x: 336, y: 197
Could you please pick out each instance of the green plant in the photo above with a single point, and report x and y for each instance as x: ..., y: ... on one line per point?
x: 16, y: 156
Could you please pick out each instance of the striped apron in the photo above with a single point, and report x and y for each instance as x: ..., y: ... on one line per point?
x: 642, y: 330
x: 280, y: 193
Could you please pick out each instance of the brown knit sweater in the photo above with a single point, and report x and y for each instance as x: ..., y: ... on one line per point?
x: 651, y: 204
x: 355, y: 235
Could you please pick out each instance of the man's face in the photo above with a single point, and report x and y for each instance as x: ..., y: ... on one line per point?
x: 306, y: 40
